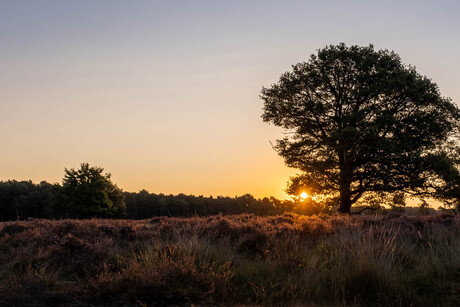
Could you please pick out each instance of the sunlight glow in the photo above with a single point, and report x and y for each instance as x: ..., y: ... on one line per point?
x: 303, y: 195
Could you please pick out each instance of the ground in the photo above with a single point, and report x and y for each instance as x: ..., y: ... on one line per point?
x: 233, y: 260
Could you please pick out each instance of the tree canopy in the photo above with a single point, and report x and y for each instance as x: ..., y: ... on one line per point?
x: 23, y: 199
x: 358, y: 121
x: 87, y: 193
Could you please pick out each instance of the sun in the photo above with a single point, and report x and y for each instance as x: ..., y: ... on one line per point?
x: 303, y: 195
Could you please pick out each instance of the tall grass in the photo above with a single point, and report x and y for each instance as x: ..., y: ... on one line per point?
x: 233, y: 260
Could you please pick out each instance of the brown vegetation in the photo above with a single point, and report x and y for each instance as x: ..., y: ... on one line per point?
x: 233, y: 260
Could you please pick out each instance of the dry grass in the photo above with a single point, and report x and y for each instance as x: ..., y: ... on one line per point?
x: 233, y: 260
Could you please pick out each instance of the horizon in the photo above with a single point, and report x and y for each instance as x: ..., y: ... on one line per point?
x: 165, y: 96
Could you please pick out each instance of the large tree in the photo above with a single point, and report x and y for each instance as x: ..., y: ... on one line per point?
x: 359, y: 121
x: 88, y: 193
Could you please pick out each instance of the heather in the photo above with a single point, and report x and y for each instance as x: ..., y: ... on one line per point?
x: 244, y: 259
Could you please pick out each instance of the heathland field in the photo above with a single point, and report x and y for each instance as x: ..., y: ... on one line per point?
x: 233, y: 260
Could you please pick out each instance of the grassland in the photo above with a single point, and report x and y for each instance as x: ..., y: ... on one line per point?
x: 233, y: 260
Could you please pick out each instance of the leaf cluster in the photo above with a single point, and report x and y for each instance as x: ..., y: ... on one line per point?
x: 87, y: 192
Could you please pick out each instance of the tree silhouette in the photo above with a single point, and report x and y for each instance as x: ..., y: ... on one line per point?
x: 24, y: 199
x: 87, y: 193
x: 359, y: 121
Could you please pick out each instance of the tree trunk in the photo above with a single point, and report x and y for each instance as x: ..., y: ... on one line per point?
x: 345, y: 194
x: 345, y: 184
x: 345, y: 202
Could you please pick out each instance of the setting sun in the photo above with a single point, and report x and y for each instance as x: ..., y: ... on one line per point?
x: 303, y: 195
x: 223, y: 153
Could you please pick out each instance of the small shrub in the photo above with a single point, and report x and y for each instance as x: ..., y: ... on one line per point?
x: 253, y: 244
x: 12, y: 229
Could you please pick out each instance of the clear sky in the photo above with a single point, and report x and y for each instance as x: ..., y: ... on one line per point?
x: 165, y: 94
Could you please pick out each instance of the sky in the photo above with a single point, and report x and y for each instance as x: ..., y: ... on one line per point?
x: 164, y: 95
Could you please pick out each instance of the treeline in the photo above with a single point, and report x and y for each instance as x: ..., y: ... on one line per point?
x: 144, y: 205
x: 25, y: 199
x: 87, y: 193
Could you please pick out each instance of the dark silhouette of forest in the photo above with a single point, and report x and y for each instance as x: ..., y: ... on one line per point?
x: 25, y: 199
x: 20, y: 200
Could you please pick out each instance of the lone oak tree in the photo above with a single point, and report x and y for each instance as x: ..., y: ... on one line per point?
x: 360, y: 121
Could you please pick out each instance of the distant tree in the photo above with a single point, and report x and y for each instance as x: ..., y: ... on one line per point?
x: 87, y: 193
x: 24, y: 199
x: 359, y: 121
x: 142, y: 205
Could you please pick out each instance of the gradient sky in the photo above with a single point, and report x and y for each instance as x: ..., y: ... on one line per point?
x: 165, y: 94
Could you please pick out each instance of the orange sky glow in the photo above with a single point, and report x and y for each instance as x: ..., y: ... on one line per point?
x: 164, y: 95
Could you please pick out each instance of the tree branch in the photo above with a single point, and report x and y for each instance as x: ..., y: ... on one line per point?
x: 367, y: 208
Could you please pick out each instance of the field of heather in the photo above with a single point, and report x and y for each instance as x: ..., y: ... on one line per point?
x: 232, y: 260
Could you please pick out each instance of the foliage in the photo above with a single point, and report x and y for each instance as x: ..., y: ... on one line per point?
x: 23, y: 199
x: 359, y: 121
x: 144, y: 205
x: 232, y: 260
x: 88, y: 193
